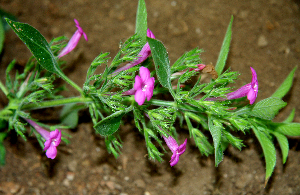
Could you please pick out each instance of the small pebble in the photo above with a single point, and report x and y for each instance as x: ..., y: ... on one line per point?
x: 262, y: 41
x: 140, y: 183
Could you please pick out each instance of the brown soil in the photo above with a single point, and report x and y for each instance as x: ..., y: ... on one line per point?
x: 266, y: 36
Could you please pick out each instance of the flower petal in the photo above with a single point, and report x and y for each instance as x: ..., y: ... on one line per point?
x: 241, y: 92
x: 47, y: 144
x: 54, y: 134
x: 51, y: 152
x: 139, y: 97
x: 144, y: 73
x: 138, y: 83
x: 57, y: 139
x: 150, y: 83
x: 251, y: 96
x: 254, y: 77
x: 171, y: 143
x: 150, y: 34
x: 149, y: 94
x: 182, y: 147
x: 174, y: 159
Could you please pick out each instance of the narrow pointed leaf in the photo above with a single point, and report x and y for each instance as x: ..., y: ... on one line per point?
x: 141, y: 21
x: 224, y: 49
x: 289, y: 129
x: 162, y: 63
x: 37, y: 44
x: 285, y: 86
x: 2, y: 154
x: 2, y: 36
x: 216, y: 132
x: 284, y: 145
x: 267, y: 108
x: 290, y: 118
x: 268, y: 150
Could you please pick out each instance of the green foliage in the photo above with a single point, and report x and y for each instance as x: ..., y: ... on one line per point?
x: 113, y: 145
x: 268, y: 149
x: 2, y: 149
x: 285, y: 86
x: 224, y: 49
x: 162, y: 63
x: 37, y: 44
x: 2, y: 36
x: 267, y: 108
x: 215, y: 128
x: 110, y: 124
x: 141, y: 21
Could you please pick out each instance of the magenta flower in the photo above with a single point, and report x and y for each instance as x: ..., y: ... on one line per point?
x: 142, y: 56
x: 74, y: 40
x: 52, y: 138
x: 250, y: 90
x: 177, y: 150
x: 144, y: 85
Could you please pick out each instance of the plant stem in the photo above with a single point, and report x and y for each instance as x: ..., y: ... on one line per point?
x: 53, y: 103
x: 71, y: 83
x: 173, y: 104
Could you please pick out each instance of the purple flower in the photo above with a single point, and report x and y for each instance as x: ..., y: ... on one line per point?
x: 142, y: 56
x: 177, y: 150
x: 74, y: 40
x: 144, y: 85
x: 250, y: 90
x: 52, y: 138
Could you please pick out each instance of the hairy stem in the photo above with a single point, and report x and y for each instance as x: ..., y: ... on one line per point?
x: 53, y: 103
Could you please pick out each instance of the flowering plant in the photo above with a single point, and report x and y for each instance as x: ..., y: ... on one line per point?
x: 141, y: 70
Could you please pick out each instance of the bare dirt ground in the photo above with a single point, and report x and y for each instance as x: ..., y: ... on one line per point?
x: 266, y: 36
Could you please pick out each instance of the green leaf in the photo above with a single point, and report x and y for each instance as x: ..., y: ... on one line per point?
x: 37, y: 44
x: 2, y: 136
x: 111, y: 124
x: 290, y: 118
x: 290, y: 129
x: 40, y: 49
x: 141, y: 21
x: 2, y: 154
x: 268, y: 150
x: 236, y: 142
x: 215, y: 129
x: 267, y: 108
x: 2, y: 36
x: 284, y: 145
x: 224, y: 49
x: 162, y: 63
x: 285, y: 86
